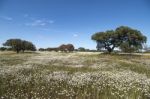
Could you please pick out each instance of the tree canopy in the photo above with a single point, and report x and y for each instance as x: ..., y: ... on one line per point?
x: 119, y: 37
x: 20, y: 45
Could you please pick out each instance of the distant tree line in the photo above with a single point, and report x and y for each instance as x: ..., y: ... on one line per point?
x: 63, y: 48
x: 18, y: 45
x: 82, y: 49
x: 123, y: 37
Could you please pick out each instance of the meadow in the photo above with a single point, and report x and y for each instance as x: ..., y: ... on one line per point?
x: 77, y: 75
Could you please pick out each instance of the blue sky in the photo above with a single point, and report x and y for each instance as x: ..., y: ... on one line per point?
x: 50, y: 23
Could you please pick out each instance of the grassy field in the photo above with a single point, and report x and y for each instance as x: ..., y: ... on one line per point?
x: 78, y: 75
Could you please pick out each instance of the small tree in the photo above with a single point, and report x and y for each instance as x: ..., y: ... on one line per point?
x: 70, y: 47
x: 3, y: 48
x: 41, y: 49
x: 65, y: 48
x: 18, y: 45
x: 52, y: 49
x: 81, y: 49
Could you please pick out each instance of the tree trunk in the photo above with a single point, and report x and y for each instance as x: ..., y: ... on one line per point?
x: 109, y: 50
x: 17, y: 51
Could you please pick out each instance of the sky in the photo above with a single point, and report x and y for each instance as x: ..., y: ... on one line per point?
x: 50, y: 23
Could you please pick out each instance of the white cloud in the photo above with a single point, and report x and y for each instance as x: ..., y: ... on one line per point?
x: 32, y: 21
x: 75, y: 35
x: 36, y: 23
x: 6, y: 18
x: 39, y: 23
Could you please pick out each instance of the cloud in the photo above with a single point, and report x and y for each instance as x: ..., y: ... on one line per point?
x: 75, y: 35
x: 39, y: 22
x: 32, y: 21
x: 6, y: 18
x: 36, y: 23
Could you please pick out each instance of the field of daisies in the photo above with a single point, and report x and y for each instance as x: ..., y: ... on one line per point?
x: 77, y: 75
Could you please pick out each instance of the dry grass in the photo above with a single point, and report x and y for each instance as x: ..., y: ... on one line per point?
x: 79, y: 75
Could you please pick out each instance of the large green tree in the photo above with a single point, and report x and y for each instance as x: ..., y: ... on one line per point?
x: 123, y: 35
x: 108, y: 40
x: 132, y: 39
